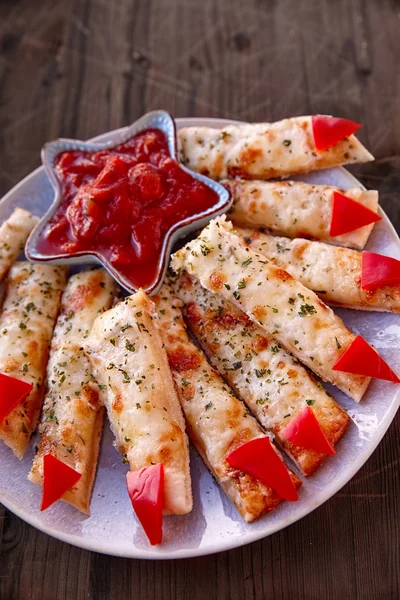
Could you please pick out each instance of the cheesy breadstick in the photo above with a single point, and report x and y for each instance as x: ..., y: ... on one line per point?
x: 130, y: 363
x: 30, y: 309
x: 335, y: 274
x: 267, y: 150
x: 72, y: 417
x: 270, y: 296
x: 274, y: 385
x: 297, y: 209
x: 217, y: 421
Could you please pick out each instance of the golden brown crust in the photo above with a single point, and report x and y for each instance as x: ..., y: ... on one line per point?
x: 256, y: 367
x: 13, y: 235
x: 296, y: 209
x: 217, y: 421
x: 332, y: 273
x: 72, y: 417
x: 30, y: 309
x: 128, y: 358
x: 263, y: 150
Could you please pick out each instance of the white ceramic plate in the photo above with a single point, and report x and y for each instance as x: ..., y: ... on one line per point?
x: 214, y: 524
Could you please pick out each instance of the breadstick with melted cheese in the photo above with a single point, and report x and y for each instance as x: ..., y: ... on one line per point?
x: 217, y: 421
x: 129, y: 361
x: 13, y: 234
x: 332, y: 273
x: 296, y: 209
x: 264, y: 150
x: 30, y: 309
x: 271, y: 297
x: 275, y: 386
x: 72, y: 417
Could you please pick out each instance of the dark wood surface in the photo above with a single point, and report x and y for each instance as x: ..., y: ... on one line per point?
x: 77, y: 68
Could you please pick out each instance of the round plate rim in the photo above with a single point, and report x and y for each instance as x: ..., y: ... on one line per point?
x: 248, y: 537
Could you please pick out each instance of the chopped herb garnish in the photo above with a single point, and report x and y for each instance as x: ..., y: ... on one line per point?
x: 261, y: 400
x: 51, y: 416
x: 307, y: 309
x: 246, y: 263
x: 338, y: 343
x: 310, y: 402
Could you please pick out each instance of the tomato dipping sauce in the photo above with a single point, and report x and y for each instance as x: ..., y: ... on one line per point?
x: 121, y: 202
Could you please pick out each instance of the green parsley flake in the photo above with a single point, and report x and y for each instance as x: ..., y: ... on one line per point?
x: 307, y: 309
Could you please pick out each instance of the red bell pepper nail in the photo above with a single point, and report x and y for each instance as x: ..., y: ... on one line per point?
x: 146, y: 491
x: 378, y: 270
x: 348, y: 215
x: 361, y: 359
x: 304, y: 430
x: 12, y: 392
x: 328, y: 131
x: 58, y: 478
x: 259, y: 459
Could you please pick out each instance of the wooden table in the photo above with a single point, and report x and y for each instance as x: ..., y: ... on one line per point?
x: 77, y: 68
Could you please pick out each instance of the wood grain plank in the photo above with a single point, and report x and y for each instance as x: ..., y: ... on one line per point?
x: 82, y: 67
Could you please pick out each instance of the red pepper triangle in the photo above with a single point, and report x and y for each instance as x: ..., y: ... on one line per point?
x: 348, y: 215
x: 328, y: 131
x: 58, y: 478
x: 12, y: 392
x: 146, y: 491
x: 362, y: 359
x: 259, y: 459
x: 378, y: 270
x: 304, y: 430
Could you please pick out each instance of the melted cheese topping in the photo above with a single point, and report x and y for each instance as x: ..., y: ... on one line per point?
x: 333, y: 273
x: 273, y: 384
x: 296, y: 209
x: 13, y: 235
x: 263, y: 150
x: 270, y: 296
x: 72, y: 416
x: 129, y: 361
x: 217, y: 421
x: 30, y: 310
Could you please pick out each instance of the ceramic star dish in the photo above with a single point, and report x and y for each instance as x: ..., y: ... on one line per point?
x: 154, y: 121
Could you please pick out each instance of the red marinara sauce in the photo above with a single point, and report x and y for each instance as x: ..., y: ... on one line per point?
x: 121, y: 202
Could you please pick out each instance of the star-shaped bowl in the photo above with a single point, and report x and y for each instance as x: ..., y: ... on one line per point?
x: 164, y: 122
